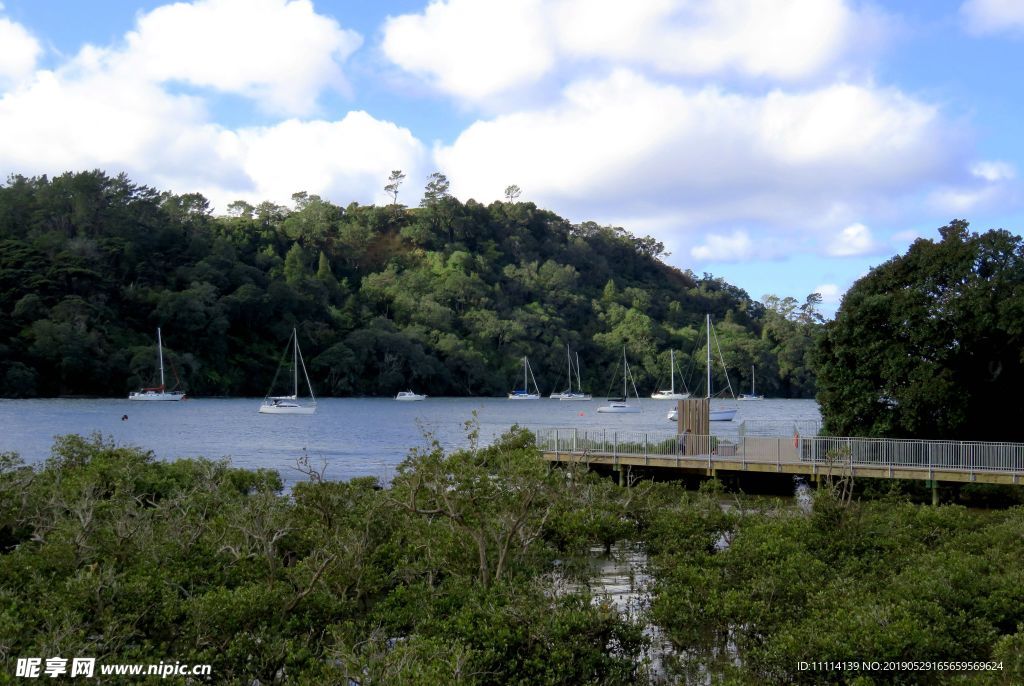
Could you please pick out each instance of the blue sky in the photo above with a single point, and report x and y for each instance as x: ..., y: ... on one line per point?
x: 785, y: 145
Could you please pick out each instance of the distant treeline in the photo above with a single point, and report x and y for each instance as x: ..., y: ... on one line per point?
x: 445, y: 298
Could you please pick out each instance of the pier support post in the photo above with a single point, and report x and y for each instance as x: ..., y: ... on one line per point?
x: 935, y: 493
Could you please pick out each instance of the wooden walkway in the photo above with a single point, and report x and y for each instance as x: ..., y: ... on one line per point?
x: 813, y: 456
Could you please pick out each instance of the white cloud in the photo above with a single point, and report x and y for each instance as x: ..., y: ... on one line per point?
x: 19, y: 51
x: 280, y: 53
x: 112, y: 108
x: 475, y: 49
x: 344, y: 160
x: 993, y: 171
x: 735, y: 247
x: 855, y: 239
x: 989, y: 16
x: 783, y: 39
x: 472, y: 48
x: 123, y: 122
x: 627, y: 146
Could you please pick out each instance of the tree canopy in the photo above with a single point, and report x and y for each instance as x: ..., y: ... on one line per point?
x: 931, y: 343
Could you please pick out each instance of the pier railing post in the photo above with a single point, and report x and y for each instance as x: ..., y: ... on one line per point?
x: 556, y: 445
x: 574, y: 449
x: 645, y: 448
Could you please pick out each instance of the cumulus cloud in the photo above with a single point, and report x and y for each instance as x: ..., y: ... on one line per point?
x: 855, y: 239
x: 475, y: 49
x: 19, y: 51
x: 472, y: 48
x: 735, y: 247
x: 280, y: 53
x: 110, y: 108
x: 346, y: 159
x: 990, y: 16
x: 627, y: 145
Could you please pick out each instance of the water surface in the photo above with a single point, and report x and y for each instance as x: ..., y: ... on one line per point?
x: 353, y: 436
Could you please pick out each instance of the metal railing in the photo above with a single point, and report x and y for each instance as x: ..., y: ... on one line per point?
x: 966, y: 456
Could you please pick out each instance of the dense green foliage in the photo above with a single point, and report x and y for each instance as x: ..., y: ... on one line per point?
x: 931, y: 344
x: 106, y: 552
x: 872, y: 581
x: 471, y: 568
x: 446, y: 297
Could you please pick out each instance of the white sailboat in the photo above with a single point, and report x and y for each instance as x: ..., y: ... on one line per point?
x: 621, y: 405
x: 158, y: 392
x: 724, y: 414
x: 569, y: 393
x: 524, y: 393
x: 671, y: 393
x: 753, y: 390
x: 290, y: 404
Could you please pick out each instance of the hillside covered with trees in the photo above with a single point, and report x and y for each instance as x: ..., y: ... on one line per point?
x: 446, y: 297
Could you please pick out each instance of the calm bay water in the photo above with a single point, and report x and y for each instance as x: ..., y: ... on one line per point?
x: 353, y: 436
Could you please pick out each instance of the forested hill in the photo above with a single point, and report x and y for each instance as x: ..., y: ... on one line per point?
x: 445, y: 298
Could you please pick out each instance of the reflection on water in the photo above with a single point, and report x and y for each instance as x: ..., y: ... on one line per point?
x: 622, y: 581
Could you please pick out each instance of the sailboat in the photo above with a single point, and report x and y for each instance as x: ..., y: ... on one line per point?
x: 158, y: 392
x: 621, y: 405
x: 753, y: 391
x: 290, y: 404
x: 671, y: 393
x: 524, y: 393
x: 568, y: 393
x: 720, y: 415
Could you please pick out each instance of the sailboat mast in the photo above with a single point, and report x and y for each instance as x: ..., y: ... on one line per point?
x: 672, y: 368
x: 709, y: 355
x: 753, y: 387
x: 526, y: 385
x: 160, y: 354
x: 625, y: 373
x: 295, y: 362
x: 568, y: 358
x: 579, y: 384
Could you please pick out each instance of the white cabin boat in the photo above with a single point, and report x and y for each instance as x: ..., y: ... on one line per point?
x: 569, y: 393
x: 525, y: 393
x: 409, y: 396
x: 621, y: 405
x: 753, y: 390
x: 671, y: 394
x: 158, y: 392
x: 290, y: 404
x: 722, y: 414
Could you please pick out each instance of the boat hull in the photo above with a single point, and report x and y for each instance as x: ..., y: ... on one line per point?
x: 716, y: 415
x: 159, y: 397
x: 668, y: 395
x: 618, y: 409
x: 523, y: 396
x: 287, y: 409
x: 575, y: 396
x: 410, y: 397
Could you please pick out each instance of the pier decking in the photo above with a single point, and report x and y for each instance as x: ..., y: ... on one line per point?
x: 876, y: 458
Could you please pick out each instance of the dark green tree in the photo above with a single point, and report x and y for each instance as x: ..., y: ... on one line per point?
x: 929, y: 344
